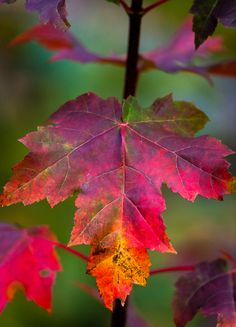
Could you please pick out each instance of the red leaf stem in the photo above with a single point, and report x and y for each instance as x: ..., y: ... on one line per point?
x: 76, y: 253
x: 172, y: 269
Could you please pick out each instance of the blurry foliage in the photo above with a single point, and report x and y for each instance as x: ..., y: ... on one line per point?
x: 31, y: 89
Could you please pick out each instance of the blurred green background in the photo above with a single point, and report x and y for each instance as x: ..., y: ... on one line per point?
x: 31, y: 89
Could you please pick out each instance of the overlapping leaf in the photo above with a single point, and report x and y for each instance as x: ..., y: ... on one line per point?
x: 209, y: 290
x: 178, y: 55
x: 27, y: 260
x: 53, y: 11
x: 118, y: 157
x: 206, y: 16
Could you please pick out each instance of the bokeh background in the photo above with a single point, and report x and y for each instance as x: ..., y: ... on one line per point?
x: 31, y: 89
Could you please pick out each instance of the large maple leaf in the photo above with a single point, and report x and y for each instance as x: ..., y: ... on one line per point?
x: 117, y: 157
x: 27, y: 260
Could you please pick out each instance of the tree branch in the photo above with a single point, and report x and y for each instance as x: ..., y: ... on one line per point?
x: 131, y: 75
x: 119, y: 314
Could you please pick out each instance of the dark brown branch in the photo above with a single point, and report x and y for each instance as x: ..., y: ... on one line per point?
x: 131, y: 74
x: 119, y: 314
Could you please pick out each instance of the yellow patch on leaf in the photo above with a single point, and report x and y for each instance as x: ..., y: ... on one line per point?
x: 117, y: 268
x: 13, y: 288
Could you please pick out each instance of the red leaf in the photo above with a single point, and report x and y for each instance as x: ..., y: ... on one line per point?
x: 27, y: 260
x: 49, y: 36
x: 67, y: 45
x: 118, y: 158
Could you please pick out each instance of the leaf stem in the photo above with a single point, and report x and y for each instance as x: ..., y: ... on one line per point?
x: 76, y: 253
x: 153, y: 6
x: 131, y: 74
x: 172, y: 269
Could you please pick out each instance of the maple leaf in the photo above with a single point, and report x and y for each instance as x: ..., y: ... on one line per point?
x: 210, y: 289
x: 206, y: 16
x: 178, y: 55
x: 117, y: 157
x: 27, y: 260
x: 53, y: 11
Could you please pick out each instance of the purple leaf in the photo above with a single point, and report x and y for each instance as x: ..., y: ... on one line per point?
x: 179, y: 54
x: 50, y: 11
x: 210, y: 290
x: 53, y: 11
x: 206, y: 16
x: 226, y: 12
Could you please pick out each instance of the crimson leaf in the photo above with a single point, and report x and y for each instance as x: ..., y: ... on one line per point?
x: 27, y: 260
x: 117, y: 157
x: 65, y: 43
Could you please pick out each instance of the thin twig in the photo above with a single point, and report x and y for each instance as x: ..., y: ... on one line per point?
x: 153, y: 6
x: 125, y: 6
x: 76, y: 253
x: 172, y: 269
